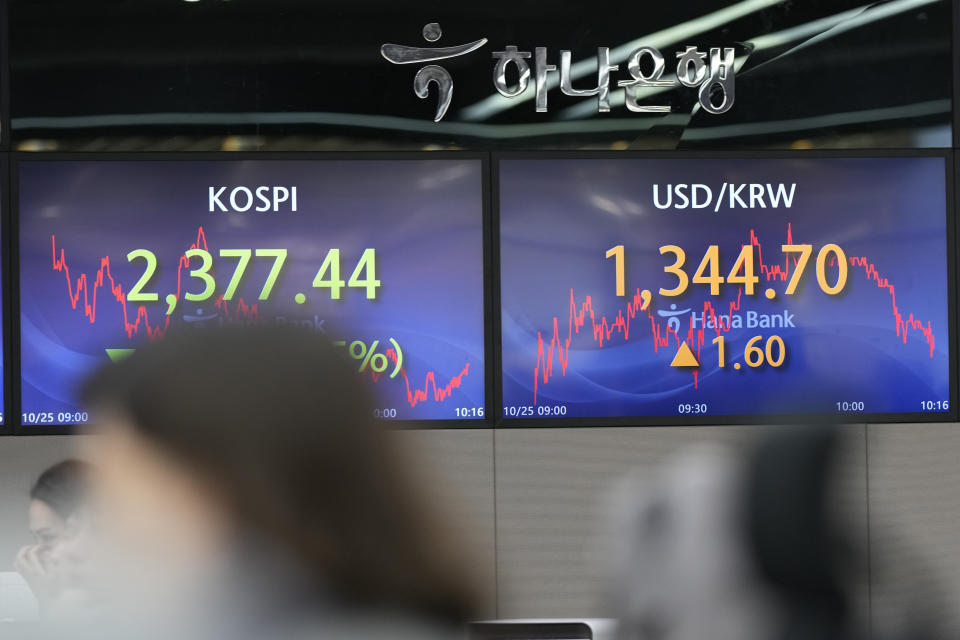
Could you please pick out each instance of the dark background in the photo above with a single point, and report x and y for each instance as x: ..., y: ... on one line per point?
x: 291, y: 74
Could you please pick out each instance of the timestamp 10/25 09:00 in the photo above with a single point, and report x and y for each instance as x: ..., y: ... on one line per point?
x: 535, y: 411
x: 58, y: 418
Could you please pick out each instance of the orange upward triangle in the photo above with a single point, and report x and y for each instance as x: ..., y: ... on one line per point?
x: 685, y: 358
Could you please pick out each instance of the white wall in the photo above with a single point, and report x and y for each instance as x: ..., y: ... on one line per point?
x: 900, y: 492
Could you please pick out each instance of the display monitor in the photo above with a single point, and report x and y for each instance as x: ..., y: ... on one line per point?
x: 383, y: 257
x: 656, y: 290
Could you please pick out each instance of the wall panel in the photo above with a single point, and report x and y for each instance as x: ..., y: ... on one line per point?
x: 914, y: 475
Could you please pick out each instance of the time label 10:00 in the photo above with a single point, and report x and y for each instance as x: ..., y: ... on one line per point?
x: 743, y: 272
x: 364, y: 275
x: 859, y: 406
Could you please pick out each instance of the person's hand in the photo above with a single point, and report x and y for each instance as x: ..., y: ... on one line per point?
x: 32, y: 562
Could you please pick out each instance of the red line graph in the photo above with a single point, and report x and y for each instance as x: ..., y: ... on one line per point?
x: 603, y: 329
x: 82, y: 288
x: 416, y: 396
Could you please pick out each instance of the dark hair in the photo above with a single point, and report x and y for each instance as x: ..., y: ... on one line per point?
x: 280, y: 426
x: 62, y: 487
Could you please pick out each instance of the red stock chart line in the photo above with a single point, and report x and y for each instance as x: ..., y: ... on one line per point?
x: 603, y: 329
x: 415, y: 396
x: 85, y: 290
x: 83, y: 287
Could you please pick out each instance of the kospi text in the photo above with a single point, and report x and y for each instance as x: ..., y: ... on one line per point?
x: 262, y: 199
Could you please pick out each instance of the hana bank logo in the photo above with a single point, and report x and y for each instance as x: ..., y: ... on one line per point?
x: 673, y: 317
x: 713, y: 74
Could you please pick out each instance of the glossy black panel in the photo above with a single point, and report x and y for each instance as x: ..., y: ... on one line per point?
x: 288, y: 74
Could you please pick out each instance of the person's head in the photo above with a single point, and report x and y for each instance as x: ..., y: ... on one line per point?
x: 261, y: 438
x: 56, y: 500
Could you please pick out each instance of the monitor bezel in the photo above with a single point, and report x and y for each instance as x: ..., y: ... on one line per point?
x: 733, y: 420
x: 12, y: 246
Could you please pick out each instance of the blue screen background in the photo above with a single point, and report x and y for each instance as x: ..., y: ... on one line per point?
x: 423, y: 217
x: 559, y: 217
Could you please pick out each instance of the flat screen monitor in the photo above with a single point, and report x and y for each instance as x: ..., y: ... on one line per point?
x: 383, y: 257
x: 715, y: 290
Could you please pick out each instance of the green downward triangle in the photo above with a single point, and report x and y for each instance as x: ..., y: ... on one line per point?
x: 116, y: 355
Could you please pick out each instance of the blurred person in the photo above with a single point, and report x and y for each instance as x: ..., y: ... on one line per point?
x: 57, y: 519
x: 245, y: 491
x: 682, y: 567
x: 731, y: 547
x: 727, y: 546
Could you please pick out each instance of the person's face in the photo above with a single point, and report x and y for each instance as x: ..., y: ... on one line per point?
x: 47, y: 527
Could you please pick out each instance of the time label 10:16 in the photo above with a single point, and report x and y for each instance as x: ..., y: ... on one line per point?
x: 744, y: 271
x: 364, y: 275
